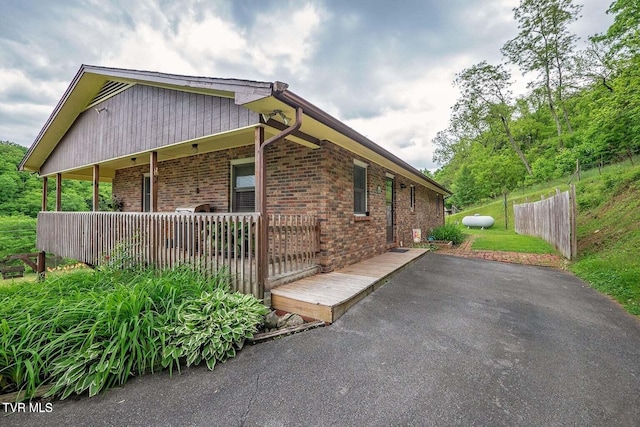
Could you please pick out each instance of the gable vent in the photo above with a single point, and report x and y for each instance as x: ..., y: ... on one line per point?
x: 109, y: 89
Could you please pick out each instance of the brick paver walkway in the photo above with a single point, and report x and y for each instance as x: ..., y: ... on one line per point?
x: 543, y: 260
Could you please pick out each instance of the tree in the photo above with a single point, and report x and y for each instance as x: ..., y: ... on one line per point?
x: 624, y: 33
x: 464, y: 188
x: 544, y: 46
x: 21, y: 192
x: 596, y: 63
x: 486, y: 101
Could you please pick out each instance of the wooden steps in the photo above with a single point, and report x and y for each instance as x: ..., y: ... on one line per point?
x: 328, y: 296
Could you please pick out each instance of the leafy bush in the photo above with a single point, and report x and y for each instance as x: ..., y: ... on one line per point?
x: 211, y: 327
x: 17, y: 235
x: 449, y: 232
x: 90, y: 330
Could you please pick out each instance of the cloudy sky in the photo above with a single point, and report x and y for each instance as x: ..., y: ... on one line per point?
x: 384, y: 67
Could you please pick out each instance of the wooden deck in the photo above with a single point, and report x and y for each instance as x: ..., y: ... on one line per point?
x: 328, y: 296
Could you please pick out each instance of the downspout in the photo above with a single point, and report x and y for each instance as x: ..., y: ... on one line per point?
x: 261, y: 175
x: 288, y: 131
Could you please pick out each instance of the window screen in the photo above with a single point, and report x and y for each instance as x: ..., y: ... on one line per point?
x: 359, y: 190
x: 244, y: 188
x: 146, y: 194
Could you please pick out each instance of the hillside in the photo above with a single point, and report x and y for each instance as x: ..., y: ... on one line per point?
x: 21, y: 192
x: 608, y: 228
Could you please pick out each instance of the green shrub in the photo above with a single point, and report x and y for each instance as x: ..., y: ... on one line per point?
x: 211, y: 327
x: 17, y: 235
x: 90, y: 330
x: 449, y: 232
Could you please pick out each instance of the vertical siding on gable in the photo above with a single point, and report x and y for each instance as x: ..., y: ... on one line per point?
x: 143, y: 118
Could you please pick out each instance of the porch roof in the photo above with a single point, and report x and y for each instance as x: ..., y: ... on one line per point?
x: 88, y: 89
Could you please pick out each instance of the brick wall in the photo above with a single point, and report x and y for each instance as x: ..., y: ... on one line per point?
x: 427, y: 214
x: 299, y: 180
x: 346, y: 240
x: 204, y: 178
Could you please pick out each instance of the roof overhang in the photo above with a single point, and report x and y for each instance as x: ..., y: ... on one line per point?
x: 323, y: 126
x: 260, y: 97
x: 90, y: 80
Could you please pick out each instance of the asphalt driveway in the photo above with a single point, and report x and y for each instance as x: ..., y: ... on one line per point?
x: 447, y: 341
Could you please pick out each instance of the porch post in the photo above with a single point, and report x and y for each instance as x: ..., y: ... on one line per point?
x: 96, y: 188
x: 58, y: 192
x: 153, y: 181
x: 261, y: 208
x: 45, y: 187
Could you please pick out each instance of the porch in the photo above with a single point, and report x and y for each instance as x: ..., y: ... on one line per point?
x: 328, y: 296
x: 209, y: 242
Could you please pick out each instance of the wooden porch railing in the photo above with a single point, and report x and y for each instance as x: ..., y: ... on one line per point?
x: 164, y: 240
x: 293, y: 243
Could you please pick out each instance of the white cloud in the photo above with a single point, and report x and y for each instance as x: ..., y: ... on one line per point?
x: 386, y: 71
x: 280, y: 37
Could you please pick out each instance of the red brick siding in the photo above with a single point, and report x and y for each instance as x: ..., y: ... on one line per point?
x: 425, y: 216
x: 299, y: 180
x: 345, y: 240
x: 295, y: 179
x: 178, y: 180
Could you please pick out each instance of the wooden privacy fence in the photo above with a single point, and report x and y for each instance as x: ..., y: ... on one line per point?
x: 553, y: 219
x: 164, y: 240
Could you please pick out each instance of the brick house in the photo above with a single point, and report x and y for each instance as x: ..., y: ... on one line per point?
x: 309, y: 191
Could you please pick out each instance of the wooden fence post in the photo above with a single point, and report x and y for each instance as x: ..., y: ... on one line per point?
x: 42, y: 265
x: 506, y: 212
x: 573, y: 209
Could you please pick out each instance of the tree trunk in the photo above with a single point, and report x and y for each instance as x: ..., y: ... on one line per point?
x: 515, y: 146
x: 561, y: 87
x: 552, y: 108
x: 566, y: 119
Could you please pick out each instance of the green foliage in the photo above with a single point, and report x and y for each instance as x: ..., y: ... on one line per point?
x: 90, y: 330
x: 498, y: 239
x: 21, y: 192
x: 17, y: 235
x: 449, y: 233
x: 211, y: 327
x: 609, y: 237
x: 623, y: 33
x: 608, y: 229
x: 585, y: 106
x: 464, y: 188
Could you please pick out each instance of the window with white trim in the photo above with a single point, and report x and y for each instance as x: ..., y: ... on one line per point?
x: 243, y: 185
x: 359, y: 188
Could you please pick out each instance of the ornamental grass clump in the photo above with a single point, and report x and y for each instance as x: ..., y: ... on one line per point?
x: 448, y: 233
x: 89, y: 330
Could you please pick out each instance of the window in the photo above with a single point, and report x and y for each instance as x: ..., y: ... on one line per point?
x: 243, y: 186
x: 146, y: 193
x: 359, y: 188
x: 413, y: 198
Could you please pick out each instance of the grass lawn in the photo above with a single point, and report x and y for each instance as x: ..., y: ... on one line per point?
x: 608, y: 229
x: 28, y: 278
x: 495, y: 239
